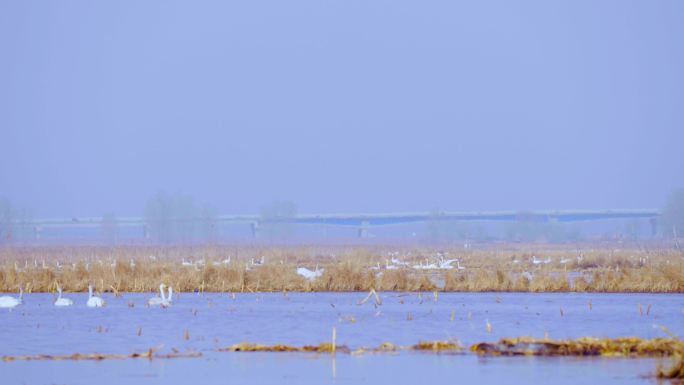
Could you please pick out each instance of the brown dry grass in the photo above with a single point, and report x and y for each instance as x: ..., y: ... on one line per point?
x: 499, y: 269
x: 247, y: 347
x: 586, y: 346
x: 427, y: 346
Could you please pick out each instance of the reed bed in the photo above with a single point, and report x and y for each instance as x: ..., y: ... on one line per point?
x: 523, y: 268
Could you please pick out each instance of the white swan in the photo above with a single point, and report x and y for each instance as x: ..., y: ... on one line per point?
x: 7, y: 302
x: 446, y: 263
x: 399, y: 262
x: 261, y: 262
x: 539, y: 261
x: 157, y: 301
x: 94, y: 301
x: 186, y: 263
x: 62, y: 301
x: 310, y: 274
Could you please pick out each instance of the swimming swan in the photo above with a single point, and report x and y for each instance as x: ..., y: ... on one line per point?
x: 156, y: 301
x: 170, y: 299
x: 162, y: 301
x: 62, y: 301
x: 92, y: 300
x: 7, y: 302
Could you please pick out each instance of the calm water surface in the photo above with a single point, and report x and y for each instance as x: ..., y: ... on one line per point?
x: 218, y: 320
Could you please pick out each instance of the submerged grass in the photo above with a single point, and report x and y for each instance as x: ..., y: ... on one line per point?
x: 150, y: 354
x: 226, y: 269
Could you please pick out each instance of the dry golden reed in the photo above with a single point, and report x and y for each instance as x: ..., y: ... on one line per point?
x: 239, y: 269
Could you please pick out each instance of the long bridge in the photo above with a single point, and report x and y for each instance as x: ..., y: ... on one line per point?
x: 363, y: 221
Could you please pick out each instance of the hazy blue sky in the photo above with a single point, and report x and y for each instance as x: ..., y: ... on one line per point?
x: 346, y: 105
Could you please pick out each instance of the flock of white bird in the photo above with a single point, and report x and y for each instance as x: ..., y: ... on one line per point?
x: 394, y: 264
x: 547, y: 260
x: 164, y: 300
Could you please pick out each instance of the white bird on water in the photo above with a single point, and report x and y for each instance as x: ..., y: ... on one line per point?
x: 62, y: 301
x: 8, y: 302
x: 156, y: 301
x: 162, y: 301
x: 94, y: 301
x: 170, y: 299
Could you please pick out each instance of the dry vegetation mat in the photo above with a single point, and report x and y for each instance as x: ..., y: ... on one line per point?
x: 587, y: 346
x: 387, y: 347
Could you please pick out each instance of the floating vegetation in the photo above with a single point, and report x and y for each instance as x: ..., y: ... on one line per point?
x: 150, y: 354
x: 387, y: 347
x: 437, y: 346
x: 586, y: 346
x: 322, y: 348
x: 675, y: 370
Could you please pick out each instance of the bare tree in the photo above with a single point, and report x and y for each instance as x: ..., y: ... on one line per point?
x: 673, y: 216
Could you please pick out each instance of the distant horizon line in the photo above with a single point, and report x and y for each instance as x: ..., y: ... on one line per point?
x: 378, y: 218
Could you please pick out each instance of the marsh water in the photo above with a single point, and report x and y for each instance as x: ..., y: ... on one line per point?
x: 205, y: 322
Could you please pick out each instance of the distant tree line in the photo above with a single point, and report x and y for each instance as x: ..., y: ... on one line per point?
x: 672, y: 220
x: 15, y: 223
x: 176, y: 218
